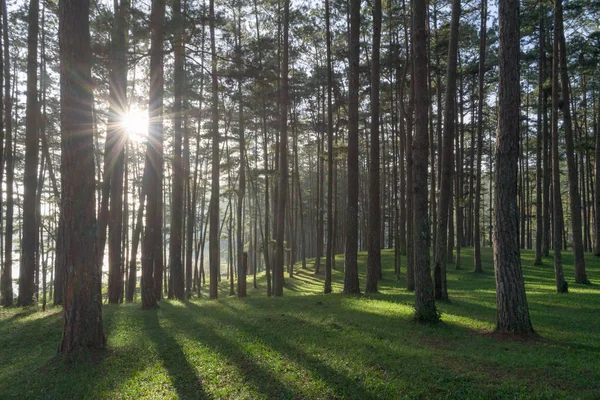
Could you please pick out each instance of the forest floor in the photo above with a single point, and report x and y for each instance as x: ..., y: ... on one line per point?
x: 307, y: 345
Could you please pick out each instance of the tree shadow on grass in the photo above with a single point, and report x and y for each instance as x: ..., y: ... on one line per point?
x: 186, y: 382
x: 263, y: 380
x: 342, y: 385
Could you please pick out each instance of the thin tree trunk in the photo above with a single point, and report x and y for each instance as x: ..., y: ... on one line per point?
x: 374, y: 228
x: 481, y: 93
x: 177, y: 202
x: 580, y: 274
x: 557, y: 236
x: 441, y: 290
x: 213, y: 239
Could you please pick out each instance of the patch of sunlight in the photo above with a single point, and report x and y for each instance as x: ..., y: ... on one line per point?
x: 467, y: 322
x: 379, y: 307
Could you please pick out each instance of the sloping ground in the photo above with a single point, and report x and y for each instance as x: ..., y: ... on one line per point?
x: 308, y: 345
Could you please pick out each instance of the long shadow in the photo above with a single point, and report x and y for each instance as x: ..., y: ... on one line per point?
x: 185, y: 379
x: 260, y: 378
x: 343, y: 386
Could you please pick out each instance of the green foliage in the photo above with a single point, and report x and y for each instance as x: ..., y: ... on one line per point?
x: 310, y: 345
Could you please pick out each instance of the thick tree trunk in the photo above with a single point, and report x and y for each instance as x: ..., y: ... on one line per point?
x: 351, y: 284
x: 513, y: 312
x: 374, y: 228
x: 82, y: 314
x: 28, y: 246
x: 425, y: 310
x: 152, y: 244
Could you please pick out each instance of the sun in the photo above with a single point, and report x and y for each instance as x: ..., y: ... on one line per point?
x: 135, y: 124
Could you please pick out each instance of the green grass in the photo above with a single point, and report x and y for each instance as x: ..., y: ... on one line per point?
x: 308, y: 345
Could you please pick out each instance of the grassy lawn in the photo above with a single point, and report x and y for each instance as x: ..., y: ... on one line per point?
x: 312, y: 346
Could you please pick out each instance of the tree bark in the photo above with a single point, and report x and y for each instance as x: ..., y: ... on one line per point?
x: 6, y: 282
x: 441, y: 290
x: 540, y: 233
x: 82, y: 314
x: 425, y: 310
x: 351, y: 284
x: 374, y: 228
x: 580, y: 274
x: 512, y: 309
x: 117, y: 109
x: 481, y: 93
x: 557, y: 234
x: 28, y: 247
x: 283, y: 159
x: 177, y: 203
x: 152, y: 262
x: 213, y: 235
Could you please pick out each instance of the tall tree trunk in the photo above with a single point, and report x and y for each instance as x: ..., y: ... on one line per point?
x: 329, y: 261
x: 213, y: 235
x: 283, y: 159
x: 117, y: 109
x: 351, y: 284
x: 539, y: 218
x: 242, y: 257
x: 82, y: 314
x: 152, y: 263
x: 374, y: 228
x: 481, y: 100
x: 596, y: 185
x: 557, y: 235
x: 580, y: 274
x: 177, y: 203
x: 6, y: 281
x: 441, y: 290
x: 425, y: 310
x: 513, y: 312
x: 28, y: 247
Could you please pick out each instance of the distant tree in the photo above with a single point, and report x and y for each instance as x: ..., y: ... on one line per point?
x: 82, y: 315
x: 512, y: 309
